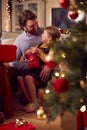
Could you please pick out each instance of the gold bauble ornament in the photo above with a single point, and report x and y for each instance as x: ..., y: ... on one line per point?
x: 41, y: 113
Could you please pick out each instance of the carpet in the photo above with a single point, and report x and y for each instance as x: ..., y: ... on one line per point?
x: 67, y: 122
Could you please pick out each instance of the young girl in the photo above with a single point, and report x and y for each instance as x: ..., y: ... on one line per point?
x: 32, y: 77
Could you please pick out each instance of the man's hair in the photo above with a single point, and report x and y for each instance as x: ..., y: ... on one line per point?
x: 25, y: 16
x: 53, y: 31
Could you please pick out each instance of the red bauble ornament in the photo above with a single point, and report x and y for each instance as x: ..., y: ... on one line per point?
x: 64, y: 3
x: 61, y: 85
x: 73, y: 14
x: 61, y: 30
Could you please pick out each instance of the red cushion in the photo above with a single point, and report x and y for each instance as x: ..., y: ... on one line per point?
x: 7, y: 53
x: 11, y: 126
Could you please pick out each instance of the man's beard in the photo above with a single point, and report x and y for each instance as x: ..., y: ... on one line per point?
x: 33, y: 32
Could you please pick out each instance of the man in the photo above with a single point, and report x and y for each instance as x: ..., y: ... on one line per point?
x: 30, y: 37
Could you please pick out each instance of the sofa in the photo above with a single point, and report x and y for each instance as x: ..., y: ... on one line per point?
x: 9, y: 38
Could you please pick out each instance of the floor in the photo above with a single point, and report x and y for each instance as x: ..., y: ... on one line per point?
x: 68, y: 121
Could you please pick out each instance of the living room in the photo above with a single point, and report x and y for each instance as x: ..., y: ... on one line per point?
x: 47, y: 12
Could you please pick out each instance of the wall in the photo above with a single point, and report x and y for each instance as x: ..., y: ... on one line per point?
x: 50, y: 4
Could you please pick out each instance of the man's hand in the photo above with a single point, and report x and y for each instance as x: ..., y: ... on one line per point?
x: 45, y: 73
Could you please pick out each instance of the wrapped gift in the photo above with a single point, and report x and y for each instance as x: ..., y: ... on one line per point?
x: 13, y: 126
x: 81, y: 120
x: 85, y: 119
x: 7, y: 53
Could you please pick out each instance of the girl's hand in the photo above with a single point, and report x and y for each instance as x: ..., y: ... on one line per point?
x: 34, y: 49
x: 28, y: 51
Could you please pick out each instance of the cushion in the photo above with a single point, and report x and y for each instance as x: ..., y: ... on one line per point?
x: 7, y: 53
x: 7, y: 41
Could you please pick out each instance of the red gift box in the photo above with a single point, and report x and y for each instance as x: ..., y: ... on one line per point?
x: 12, y: 126
x: 7, y: 53
x: 33, y: 60
x: 81, y: 120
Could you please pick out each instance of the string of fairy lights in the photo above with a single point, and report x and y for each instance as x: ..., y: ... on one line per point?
x: 74, y: 14
x: 8, y: 14
x: 7, y: 19
x: 8, y: 7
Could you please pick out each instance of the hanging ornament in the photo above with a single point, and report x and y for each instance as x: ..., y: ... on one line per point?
x: 81, y: 16
x: 61, y: 85
x: 64, y: 3
x: 41, y: 113
x: 61, y: 30
x: 73, y: 10
x: 73, y: 14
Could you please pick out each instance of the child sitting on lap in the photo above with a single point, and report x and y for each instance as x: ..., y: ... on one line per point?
x: 33, y: 77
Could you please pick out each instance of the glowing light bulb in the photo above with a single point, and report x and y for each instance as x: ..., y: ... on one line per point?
x: 56, y: 74
x: 47, y: 91
x: 83, y: 108
x: 63, y: 55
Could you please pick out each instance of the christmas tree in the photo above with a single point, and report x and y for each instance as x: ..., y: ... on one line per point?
x: 68, y: 89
